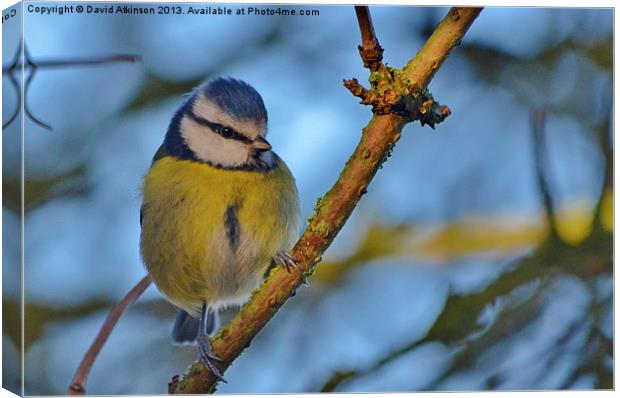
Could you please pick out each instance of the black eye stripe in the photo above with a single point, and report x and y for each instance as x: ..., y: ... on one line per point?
x: 219, y: 129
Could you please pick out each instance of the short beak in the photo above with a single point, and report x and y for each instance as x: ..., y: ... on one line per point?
x: 261, y: 145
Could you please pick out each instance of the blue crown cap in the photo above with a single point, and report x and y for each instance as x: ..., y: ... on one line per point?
x: 237, y: 98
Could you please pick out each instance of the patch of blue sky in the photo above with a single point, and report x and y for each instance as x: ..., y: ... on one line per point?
x: 603, y: 288
x: 575, y: 164
x: 182, y: 47
x: 65, y: 255
x: 11, y: 32
x: 75, y: 101
x: 281, y: 341
x: 537, y: 28
x: 587, y: 94
x: 73, y: 34
x: 597, y: 22
x: 77, y: 104
x: 471, y: 275
x: 392, y: 24
x: 560, y: 371
x: 443, y: 174
x: 11, y: 359
x: 382, y: 307
x: 585, y: 382
x: 566, y: 302
x: 139, y: 341
x: 412, y: 371
x: 379, y: 308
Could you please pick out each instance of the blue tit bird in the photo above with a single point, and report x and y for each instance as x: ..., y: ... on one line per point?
x: 219, y: 210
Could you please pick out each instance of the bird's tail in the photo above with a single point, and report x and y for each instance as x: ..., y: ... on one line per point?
x: 185, y: 329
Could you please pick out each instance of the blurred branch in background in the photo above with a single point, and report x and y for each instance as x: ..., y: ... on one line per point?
x: 18, y: 65
x: 459, y: 326
x: 541, y: 162
x: 41, y: 190
x: 335, y: 207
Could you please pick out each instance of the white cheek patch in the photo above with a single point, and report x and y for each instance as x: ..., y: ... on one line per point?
x: 211, y: 147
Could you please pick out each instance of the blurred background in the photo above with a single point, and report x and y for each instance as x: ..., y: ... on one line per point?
x: 448, y: 276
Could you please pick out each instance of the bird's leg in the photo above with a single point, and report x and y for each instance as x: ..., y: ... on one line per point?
x: 205, y: 351
x: 286, y: 260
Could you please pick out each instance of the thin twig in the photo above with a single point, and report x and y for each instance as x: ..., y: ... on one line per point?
x: 18, y: 91
x: 13, y: 80
x: 33, y: 69
x: 30, y: 64
x: 367, y: 96
x: 402, y: 91
x: 370, y: 50
x: 66, y: 63
x: 78, y: 384
x: 331, y: 212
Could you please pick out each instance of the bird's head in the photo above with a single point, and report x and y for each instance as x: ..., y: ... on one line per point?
x: 223, y: 123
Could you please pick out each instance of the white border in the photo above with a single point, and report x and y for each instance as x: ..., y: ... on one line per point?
x: 534, y: 3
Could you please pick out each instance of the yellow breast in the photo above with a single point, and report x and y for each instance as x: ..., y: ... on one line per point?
x: 209, y: 234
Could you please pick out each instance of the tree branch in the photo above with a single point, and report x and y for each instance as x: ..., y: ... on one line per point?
x: 75, y: 62
x: 332, y: 211
x: 370, y: 50
x: 33, y: 65
x: 421, y: 69
x: 77, y: 386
